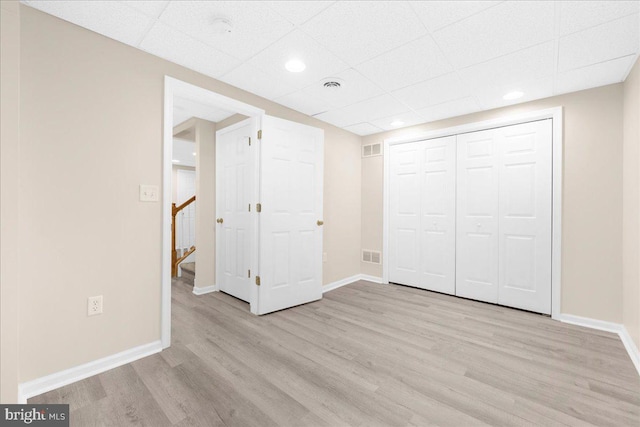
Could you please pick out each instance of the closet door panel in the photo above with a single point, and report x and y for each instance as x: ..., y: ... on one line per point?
x: 525, y: 216
x: 437, y: 222
x: 404, y: 210
x: 477, y: 216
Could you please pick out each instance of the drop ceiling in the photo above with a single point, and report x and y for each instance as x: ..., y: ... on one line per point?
x: 406, y: 61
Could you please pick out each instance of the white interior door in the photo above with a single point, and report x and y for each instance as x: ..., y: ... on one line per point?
x: 477, y: 216
x: 525, y: 216
x: 422, y: 214
x: 291, y: 185
x: 404, y: 213
x: 234, y: 180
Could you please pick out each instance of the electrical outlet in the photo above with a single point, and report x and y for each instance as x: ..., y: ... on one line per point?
x: 94, y: 305
x: 149, y: 193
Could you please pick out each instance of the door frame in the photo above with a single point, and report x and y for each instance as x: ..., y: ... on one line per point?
x: 556, y: 114
x: 174, y: 87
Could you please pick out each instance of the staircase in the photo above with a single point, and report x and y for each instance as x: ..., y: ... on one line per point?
x: 186, y: 248
x: 188, y: 270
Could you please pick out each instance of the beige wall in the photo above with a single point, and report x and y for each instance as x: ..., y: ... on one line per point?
x: 9, y: 197
x: 80, y: 192
x: 592, y: 191
x: 206, y: 207
x: 631, y: 205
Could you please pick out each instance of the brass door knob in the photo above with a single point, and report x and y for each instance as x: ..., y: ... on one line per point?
x: 219, y: 220
x: 320, y: 222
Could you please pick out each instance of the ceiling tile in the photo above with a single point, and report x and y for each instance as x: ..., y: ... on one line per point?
x: 596, y: 75
x: 598, y: 44
x: 177, y: 47
x: 320, y: 63
x: 497, y: 31
x: 407, y: 119
x: 439, y: 14
x: 431, y: 92
x: 255, y: 26
x: 526, y: 64
x: 112, y: 19
x: 304, y: 102
x: 148, y: 7
x: 359, y: 30
x: 298, y: 12
x: 363, y: 129
x: 365, y: 111
x: 409, y: 64
x: 458, y: 107
x: 576, y: 16
x: 355, y: 88
x: 491, y: 96
x: 254, y: 80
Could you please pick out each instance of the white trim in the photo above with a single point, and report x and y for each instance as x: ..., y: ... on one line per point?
x: 601, y: 325
x: 556, y: 249
x: 349, y: 280
x: 50, y: 382
x: 174, y: 87
x: 205, y: 290
x: 374, y: 279
x: 339, y: 283
x: 633, y: 351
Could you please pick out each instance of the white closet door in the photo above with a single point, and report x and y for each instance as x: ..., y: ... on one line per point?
x: 292, y: 159
x: 525, y: 216
x: 404, y: 213
x: 234, y: 175
x: 438, y: 215
x: 477, y: 216
x: 422, y: 214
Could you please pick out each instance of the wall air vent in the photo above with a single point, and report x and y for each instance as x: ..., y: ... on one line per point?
x: 373, y: 257
x: 372, y: 150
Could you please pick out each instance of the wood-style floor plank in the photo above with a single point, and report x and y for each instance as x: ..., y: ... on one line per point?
x: 365, y: 355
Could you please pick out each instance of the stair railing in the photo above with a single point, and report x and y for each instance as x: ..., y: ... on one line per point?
x: 185, y: 250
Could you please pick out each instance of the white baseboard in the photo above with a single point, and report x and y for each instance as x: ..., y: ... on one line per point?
x: 616, y: 328
x: 338, y: 283
x: 50, y: 382
x: 205, y: 290
x: 373, y: 279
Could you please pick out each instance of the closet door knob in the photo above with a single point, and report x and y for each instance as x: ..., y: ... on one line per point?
x: 219, y: 220
x: 320, y: 222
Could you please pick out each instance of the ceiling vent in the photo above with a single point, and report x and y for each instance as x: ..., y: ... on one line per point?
x: 333, y: 84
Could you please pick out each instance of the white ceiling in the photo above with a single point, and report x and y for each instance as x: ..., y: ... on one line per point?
x: 184, y: 109
x: 399, y: 60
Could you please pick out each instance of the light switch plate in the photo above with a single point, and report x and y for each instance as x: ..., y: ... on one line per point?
x: 149, y: 193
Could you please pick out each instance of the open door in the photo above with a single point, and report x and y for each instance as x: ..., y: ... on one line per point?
x: 234, y: 186
x: 291, y: 217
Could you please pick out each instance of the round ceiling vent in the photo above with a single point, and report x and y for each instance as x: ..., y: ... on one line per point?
x: 333, y: 84
x: 221, y: 26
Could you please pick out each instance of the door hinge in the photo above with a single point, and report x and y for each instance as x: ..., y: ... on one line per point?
x: 249, y: 141
x: 259, y: 207
x: 260, y: 134
x: 258, y: 280
x: 249, y: 273
x: 249, y: 207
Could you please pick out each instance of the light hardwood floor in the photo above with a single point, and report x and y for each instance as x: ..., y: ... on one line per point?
x: 365, y: 355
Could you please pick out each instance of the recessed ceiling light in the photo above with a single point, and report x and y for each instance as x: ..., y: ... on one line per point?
x: 175, y: 161
x: 396, y: 123
x: 513, y: 95
x: 295, y: 66
x: 194, y: 153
